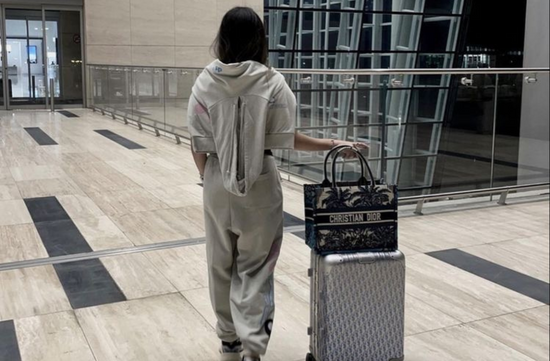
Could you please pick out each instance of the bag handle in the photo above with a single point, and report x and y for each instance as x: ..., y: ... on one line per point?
x: 364, y: 164
x: 362, y: 160
x: 338, y: 150
x: 332, y: 151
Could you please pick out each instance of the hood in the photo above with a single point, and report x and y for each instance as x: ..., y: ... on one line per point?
x: 237, y: 98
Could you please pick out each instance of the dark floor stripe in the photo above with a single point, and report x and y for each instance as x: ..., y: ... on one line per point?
x: 40, y: 136
x: 9, y: 348
x: 498, y: 274
x: 68, y: 114
x: 88, y: 284
x: 291, y: 221
x: 46, y: 209
x: 301, y: 235
x: 62, y: 238
x: 119, y: 139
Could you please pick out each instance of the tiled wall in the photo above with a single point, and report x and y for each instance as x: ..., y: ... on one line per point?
x: 155, y: 33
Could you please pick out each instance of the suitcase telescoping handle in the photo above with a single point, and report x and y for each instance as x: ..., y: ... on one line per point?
x: 362, y: 160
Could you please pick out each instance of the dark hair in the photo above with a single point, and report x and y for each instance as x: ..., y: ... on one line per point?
x: 241, y: 37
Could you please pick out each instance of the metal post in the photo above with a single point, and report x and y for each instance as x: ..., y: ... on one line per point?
x: 419, y: 207
x: 493, y: 144
x: 34, y: 87
x: 384, y: 96
x: 52, y: 95
x: 503, y: 196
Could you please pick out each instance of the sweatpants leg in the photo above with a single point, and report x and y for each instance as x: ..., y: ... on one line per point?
x: 220, y: 249
x: 258, y: 221
x: 244, y: 237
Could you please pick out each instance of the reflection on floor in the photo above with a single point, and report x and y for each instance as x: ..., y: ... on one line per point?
x: 90, y: 193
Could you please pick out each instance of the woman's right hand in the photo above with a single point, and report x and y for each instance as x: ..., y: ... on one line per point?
x: 349, y: 154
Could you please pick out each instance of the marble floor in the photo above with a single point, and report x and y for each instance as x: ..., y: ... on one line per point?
x: 477, y: 275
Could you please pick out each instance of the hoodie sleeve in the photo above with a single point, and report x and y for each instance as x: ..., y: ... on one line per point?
x: 200, y: 127
x: 281, y: 118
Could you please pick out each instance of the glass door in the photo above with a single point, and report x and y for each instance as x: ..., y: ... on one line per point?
x: 64, y: 56
x: 39, y: 45
x: 2, y: 56
x: 25, y: 70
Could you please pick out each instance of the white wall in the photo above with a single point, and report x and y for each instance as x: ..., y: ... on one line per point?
x: 155, y: 33
x: 534, y: 143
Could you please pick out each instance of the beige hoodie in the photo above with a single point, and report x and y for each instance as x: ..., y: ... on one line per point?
x: 237, y: 111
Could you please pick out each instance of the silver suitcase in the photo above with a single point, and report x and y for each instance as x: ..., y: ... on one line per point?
x: 357, y: 307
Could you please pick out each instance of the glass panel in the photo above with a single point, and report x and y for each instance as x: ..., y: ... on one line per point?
x: 100, y: 86
x: 281, y: 25
x: 465, y: 147
x: 148, y: 97
x: 16, y: 27
x: 415, y: 173
x: 119, y: 94
x: 521, y: 143
x: 443, y: 6
x: 38, y: 81
x: 178, y: 91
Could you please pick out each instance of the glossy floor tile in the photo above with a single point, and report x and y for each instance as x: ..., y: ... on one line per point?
x: 526, y: 256
x: 101, y: 233
x: 53, y: 337
x: 79, y: 206
x: 503, y: 276
x: 5, y: 174
x: 185, y: 268
x: 121, y: 202
x: 38, y: 172
x: 48, y: 188
x: 137, y: 276
x: 20, y: 242
x: 156, y: 328
x: 14, y: 212
x: 459, y: 343
x: 30, y: 292
x: 458, y: 293
x: 9, y: 192
x: 162, y: 225
x: 525, y: 332
x: 420, y: 317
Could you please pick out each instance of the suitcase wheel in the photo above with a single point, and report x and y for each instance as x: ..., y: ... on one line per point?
x: 310, y: 357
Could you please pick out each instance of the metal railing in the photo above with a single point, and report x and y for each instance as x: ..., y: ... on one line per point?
x: 502, y: 191
x: 403, y: 113
x: 431, y: 71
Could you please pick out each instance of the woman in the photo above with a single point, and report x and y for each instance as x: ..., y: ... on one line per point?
x: 240, y: 109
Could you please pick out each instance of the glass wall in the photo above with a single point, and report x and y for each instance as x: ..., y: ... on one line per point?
x: 367, y: 34
x: 350, y: 34
x: 474, y: 147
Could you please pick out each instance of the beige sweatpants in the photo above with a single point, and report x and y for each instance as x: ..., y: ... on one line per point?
x: 243, y: 241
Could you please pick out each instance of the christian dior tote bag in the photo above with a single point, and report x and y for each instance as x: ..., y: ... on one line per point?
x: 351, y: 216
